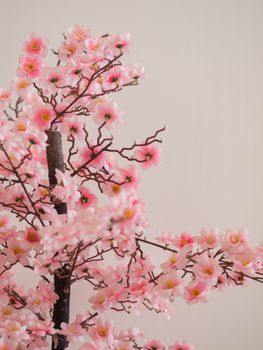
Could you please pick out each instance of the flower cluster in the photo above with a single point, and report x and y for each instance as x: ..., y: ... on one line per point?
x: 102, y: 217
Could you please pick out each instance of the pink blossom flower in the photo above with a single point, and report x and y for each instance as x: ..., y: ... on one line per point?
x: 170, y: 282
x: 69, y: 49
x: 117, y: 76
x: 246, y: 261
x: 74, y: 331
x: 31, y: 66
x: 154, y: 345
x: 207, y: 269
x: 102, y: 331
x: 181, y: 345
x: 41, y: 328
x: 17, y: 251
x: 148, y: 155
x: 121, y: 41
x: 176, y: 260
x: 185, y: 239
x: 235, y: 241
x: 130, y: 177
x: 196, y: 291
x: 106, y: 112
x: 32, y: 237
x: 21, y: 84
x: 15, y: 330
x: 135, y: 72
x: 4, y: 220
x: 208, y: 238
x: 35, y: 45
x: 5, y: 95
x: 73, y: 126
x: 86, y: 197
x: 43, y: 117
x: 79, y: 33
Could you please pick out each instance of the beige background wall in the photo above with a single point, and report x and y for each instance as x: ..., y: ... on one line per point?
x: 204, y: 64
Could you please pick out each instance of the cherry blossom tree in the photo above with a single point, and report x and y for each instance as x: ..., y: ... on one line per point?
x: 69, y: 206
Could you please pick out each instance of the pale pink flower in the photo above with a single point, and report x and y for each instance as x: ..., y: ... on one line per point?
x: 41, y: 328
x: 207, y: 269
x: 32, y: 237
x: 123, y: 345
x: 5, y: 95
x: 139, y: 288
x: 73, y: 126
x: 21, y: 85
x: 74, y: 331
x: 15, y: 330
x: 4, y: 220
x: 176, y: 260
x: 196, y: 291
x: 235, y: 241
x: 148, y: 156
x: 222, y: 282
x: 102, y: 331
x: 35, y: 45
x: 154, y: 345
x: 208, y: 238
x: 130, y: 177
x: 170, y: 282
x: 17, y: 251
x: 79, y: 33
x: 185, y: 239
x: 246, y: 261
x: 69, y: 49
x: 181, y: 345
x: 135, y: 71
x: 52, y: 78
x: 107, y: 297
x: 86, y: 197
x: 21, y: 124
x: 43, y: 117
x: 106, y: 112
x: 120, y: 41
x: 117, y: 76
x: 31, y: 66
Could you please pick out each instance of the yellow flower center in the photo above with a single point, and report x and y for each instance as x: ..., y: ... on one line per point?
x: 208, y: 271
x: 6, y: 311
x: 102, y: 332
x: 196, y: 292
x: 46, y: 117
x: 17, y: 250
x: 22, y: 84
x: 31, y: 67
x: 2, y: 222
x: 116, y: 188
x: 12, y: 328
x: 172, y: 259
x: 169, y: 284
x: 100, y: 299
x: 21, y: 126
x: 128, y: 213
x: 234, y: 239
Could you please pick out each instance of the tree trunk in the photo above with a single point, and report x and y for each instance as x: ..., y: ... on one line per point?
x: 55, y: 160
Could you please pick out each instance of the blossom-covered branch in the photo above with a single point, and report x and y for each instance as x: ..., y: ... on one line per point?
x: 103, y: 215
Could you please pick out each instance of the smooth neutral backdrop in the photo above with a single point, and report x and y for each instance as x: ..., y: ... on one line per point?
x: 204, y: 64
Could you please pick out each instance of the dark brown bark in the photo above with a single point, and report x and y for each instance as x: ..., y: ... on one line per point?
x: 61, y: 310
